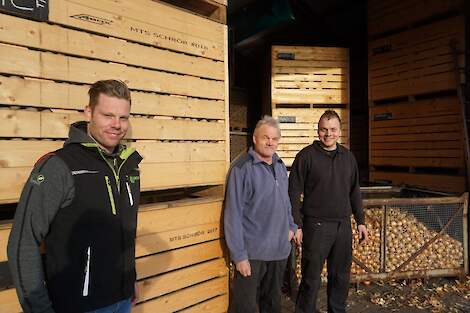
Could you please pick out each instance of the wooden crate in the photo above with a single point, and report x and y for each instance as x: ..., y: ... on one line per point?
x: 299, y: 128
x: 417, y: 61
x: 179, y: 251
x: 386, y: 16
x: 173, y: 61
x: 309, y: 75
x: 422, y: 133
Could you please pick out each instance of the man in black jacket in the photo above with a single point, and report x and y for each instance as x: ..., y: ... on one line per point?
x: 82, y: 202
x: 324, y: 192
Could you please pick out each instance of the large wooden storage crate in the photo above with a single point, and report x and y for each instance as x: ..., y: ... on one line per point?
x: 417, y: 61
x: 175, y: 64
x: 306, y: 81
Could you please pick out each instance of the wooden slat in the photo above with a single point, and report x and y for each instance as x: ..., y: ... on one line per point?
x: 310, y: 96
x: 436, y: 182
x: 312, y: 53
x: 179, y: 279
x: 9, y: 301
x: 143, y: 21
x: 418, y: 162
x: 185, y: 298
x: 309, y: 115
x: 173, y: 218
x: 5, y: 228
x: 215, y: 305
x: 23, y: 32
x: 391, y: 15
x: 417, y: 145
x: 22, y: 123
x: 423, y: 108
x: 155, y: 176
x: 22, y: 61
x: 179, y: 258
x: 44, y: 93
x: 23, y: 153
x: 392, y: 124
x: 419, y: 129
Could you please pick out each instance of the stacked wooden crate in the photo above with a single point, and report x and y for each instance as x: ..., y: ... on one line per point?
x: 416, y: 125
x: 175, y: 65
x: 306, y: 81
x: 240, y: 138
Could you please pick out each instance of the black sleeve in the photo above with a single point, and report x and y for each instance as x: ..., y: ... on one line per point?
x: 297, y: 186
x: 355, y: 193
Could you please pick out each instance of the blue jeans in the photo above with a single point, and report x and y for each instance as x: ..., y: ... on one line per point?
x: 123, y: 306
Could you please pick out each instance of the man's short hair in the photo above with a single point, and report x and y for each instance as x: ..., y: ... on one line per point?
x: 270, y: 121
x: 111, y: 87
x: 330, y: 114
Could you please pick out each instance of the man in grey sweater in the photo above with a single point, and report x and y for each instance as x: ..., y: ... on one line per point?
x: 258, y: 222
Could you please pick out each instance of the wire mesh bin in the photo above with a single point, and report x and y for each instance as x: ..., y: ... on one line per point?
x: 410, y: 238
x: 418, y: 237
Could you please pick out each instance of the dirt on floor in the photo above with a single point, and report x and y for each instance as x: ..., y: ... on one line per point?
x: 407, y: 296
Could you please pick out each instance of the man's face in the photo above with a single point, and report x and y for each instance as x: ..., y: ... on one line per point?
x: 265, y: 139
x: 329, y: 131
x: 109, y: 121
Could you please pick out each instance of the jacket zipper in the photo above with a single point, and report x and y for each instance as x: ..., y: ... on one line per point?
x: 110, y: 194
x: 86, y: 282
x: 131, y: 200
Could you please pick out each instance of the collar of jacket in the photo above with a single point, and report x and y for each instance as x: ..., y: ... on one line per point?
x: 318, y: 146
x: 256, y: 158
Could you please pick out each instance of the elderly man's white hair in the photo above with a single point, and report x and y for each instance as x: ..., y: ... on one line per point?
x: 270, y: 121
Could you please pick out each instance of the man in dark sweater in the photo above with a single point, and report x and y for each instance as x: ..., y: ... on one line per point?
x: 324, y: 192
x: 258, y: 223
x: 82, y: 202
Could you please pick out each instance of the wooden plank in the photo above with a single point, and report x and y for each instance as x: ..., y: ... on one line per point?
x: 435, y: 182
x: 310, y: 96
x: 419, y: 129
x: 179, y: 258
x: 166, y: 240
x: 155, y: 176
x: 411, y: 151
x: 5, y: 228
x: 393, y: 124
x: 403, y: 13
x: 21, y: 61
x: 418, y: 162
x: 210, y: 9
x: 309, y: 115
x: 22, y: 153
x: 417, y: 145
x: 158, y: 176
x: 312, y: 53
x: 308, y: 84
x: 432, y: 137
x: 143, y: 21
x: 174, y: 218
x: 23, y: 32
x: 179, y: 279
x: 184, y: 298
x: 218, y: 304
x: 44, y: 93
x: 21, y: 123
x: 9, y: 301
x: 310, y: 63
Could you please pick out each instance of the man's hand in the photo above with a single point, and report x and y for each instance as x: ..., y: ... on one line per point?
x: 244, y: 268
x: 363, y: 234
x: 298, y: 237
x: 136, y: 294
x: 291, y: 235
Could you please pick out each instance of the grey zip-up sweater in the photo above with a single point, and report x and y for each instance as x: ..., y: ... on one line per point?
x: 257, y: 216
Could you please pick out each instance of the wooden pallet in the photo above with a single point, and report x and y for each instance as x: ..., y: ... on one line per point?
x: 309, y: 75
x: 424, y: 133
x: 179, y: 259
x: 417, y: 61
x: 386, y: 16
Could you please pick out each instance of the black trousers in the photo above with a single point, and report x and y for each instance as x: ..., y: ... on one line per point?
x: 262, y: 288
x: 331, y: 241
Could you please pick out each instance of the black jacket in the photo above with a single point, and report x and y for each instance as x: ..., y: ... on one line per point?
x: 325, y: 186
x: 83, y: 204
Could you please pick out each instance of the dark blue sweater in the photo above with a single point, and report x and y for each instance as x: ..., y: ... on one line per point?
x: 257, y: 216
